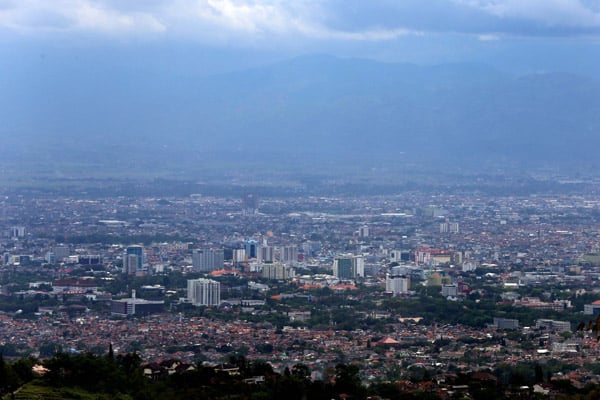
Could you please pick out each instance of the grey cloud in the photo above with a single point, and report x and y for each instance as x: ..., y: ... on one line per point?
x: 310, y: 20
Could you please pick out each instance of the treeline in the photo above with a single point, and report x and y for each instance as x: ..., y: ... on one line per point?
x: 122, y: 377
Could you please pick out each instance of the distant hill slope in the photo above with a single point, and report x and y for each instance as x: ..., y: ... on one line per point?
x: 318, y: 106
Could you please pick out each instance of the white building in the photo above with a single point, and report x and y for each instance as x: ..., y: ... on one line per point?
x: 363, y: 231
x: 206, y: 260
x: 266, y: 254
x: 239, y: 256
x: 395, y: 256
x: 203, y: 292
x: 397, y: 284
x: 449, y: 290
x: 288, y: 254
x: 277, y: 271
x: 449, y: 227
x: 284, y: 254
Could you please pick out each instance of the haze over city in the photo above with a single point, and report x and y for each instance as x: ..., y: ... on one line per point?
x: 197, y: 89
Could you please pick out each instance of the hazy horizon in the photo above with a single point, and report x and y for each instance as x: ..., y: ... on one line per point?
x: 201, y: 88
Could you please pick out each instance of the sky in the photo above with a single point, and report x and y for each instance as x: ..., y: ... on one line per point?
x: 522, y: 35
x: 81, y: 68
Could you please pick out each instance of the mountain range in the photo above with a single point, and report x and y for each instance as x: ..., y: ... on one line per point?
x: 301, y: 113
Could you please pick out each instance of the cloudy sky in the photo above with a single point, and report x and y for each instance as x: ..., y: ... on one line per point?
x: 520, y: 34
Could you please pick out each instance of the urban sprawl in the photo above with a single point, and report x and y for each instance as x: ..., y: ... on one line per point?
x: 418, y: 288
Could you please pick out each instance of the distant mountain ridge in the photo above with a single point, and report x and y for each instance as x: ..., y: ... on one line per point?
x: 320, y: 107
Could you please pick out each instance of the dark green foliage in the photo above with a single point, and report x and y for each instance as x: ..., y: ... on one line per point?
x: 347, y: 381
x: 94, y: 373
x: 89, y: 376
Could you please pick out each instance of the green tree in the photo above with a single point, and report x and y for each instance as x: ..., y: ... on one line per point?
x: 347, y: 381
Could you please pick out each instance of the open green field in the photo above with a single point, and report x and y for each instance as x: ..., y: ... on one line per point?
x: 35, y: 391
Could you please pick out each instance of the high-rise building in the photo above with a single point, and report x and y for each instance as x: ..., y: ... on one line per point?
x: 397, y: 284
x: 133, y: 260
x: 238, y: 256
x: 206, y: 260
x: 449, y: 227
x: 342, y: 267
x: 275, y: 271
x: 349, y: 266
x: 17, y: 231
x: 358, y: 266
x: 249, y: 204
x: 363, y: 231
x: 266, y: 253
x: 203, y: 292
x: 251, y: 247
x: 289, y: 254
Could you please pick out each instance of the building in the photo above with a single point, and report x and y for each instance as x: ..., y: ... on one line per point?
x: 288, y: 254
x: 133, y: 260
x: 50, y: 258
x: 16, y: 232
x: 469, y: 266
x: 551, y: 325
x: 284, y: 254
x: 397, y: 285
x: 266, y: 254
x: 251, y: 247
x: 449, y: 227
x: 135, y: 306
x: 276, y: 271
x: 449, y: 290
x: 342, y: 267
x: 60, y: 252
x: 506, y: 323
x: 363, y: 231
x: 249, y: 204
x: 415, y: 273
x: 73, y: 286
x: 207, y: 260
x: 399, y: 256
x: 432, y: 257
x: 238, y: 256
x: 349, y: 266
x: 592, y: 309
x: 89, y: 259
x: 203, y: 292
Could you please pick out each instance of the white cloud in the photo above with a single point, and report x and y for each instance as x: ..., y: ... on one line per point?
x: 39, y: 16
x: 488, y: 37
x: 256, y: 20
x: 259, y: 21
x: 90, y: 17
x: 206, y: 19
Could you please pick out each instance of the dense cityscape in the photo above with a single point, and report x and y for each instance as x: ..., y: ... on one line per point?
x: 430, y: 292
